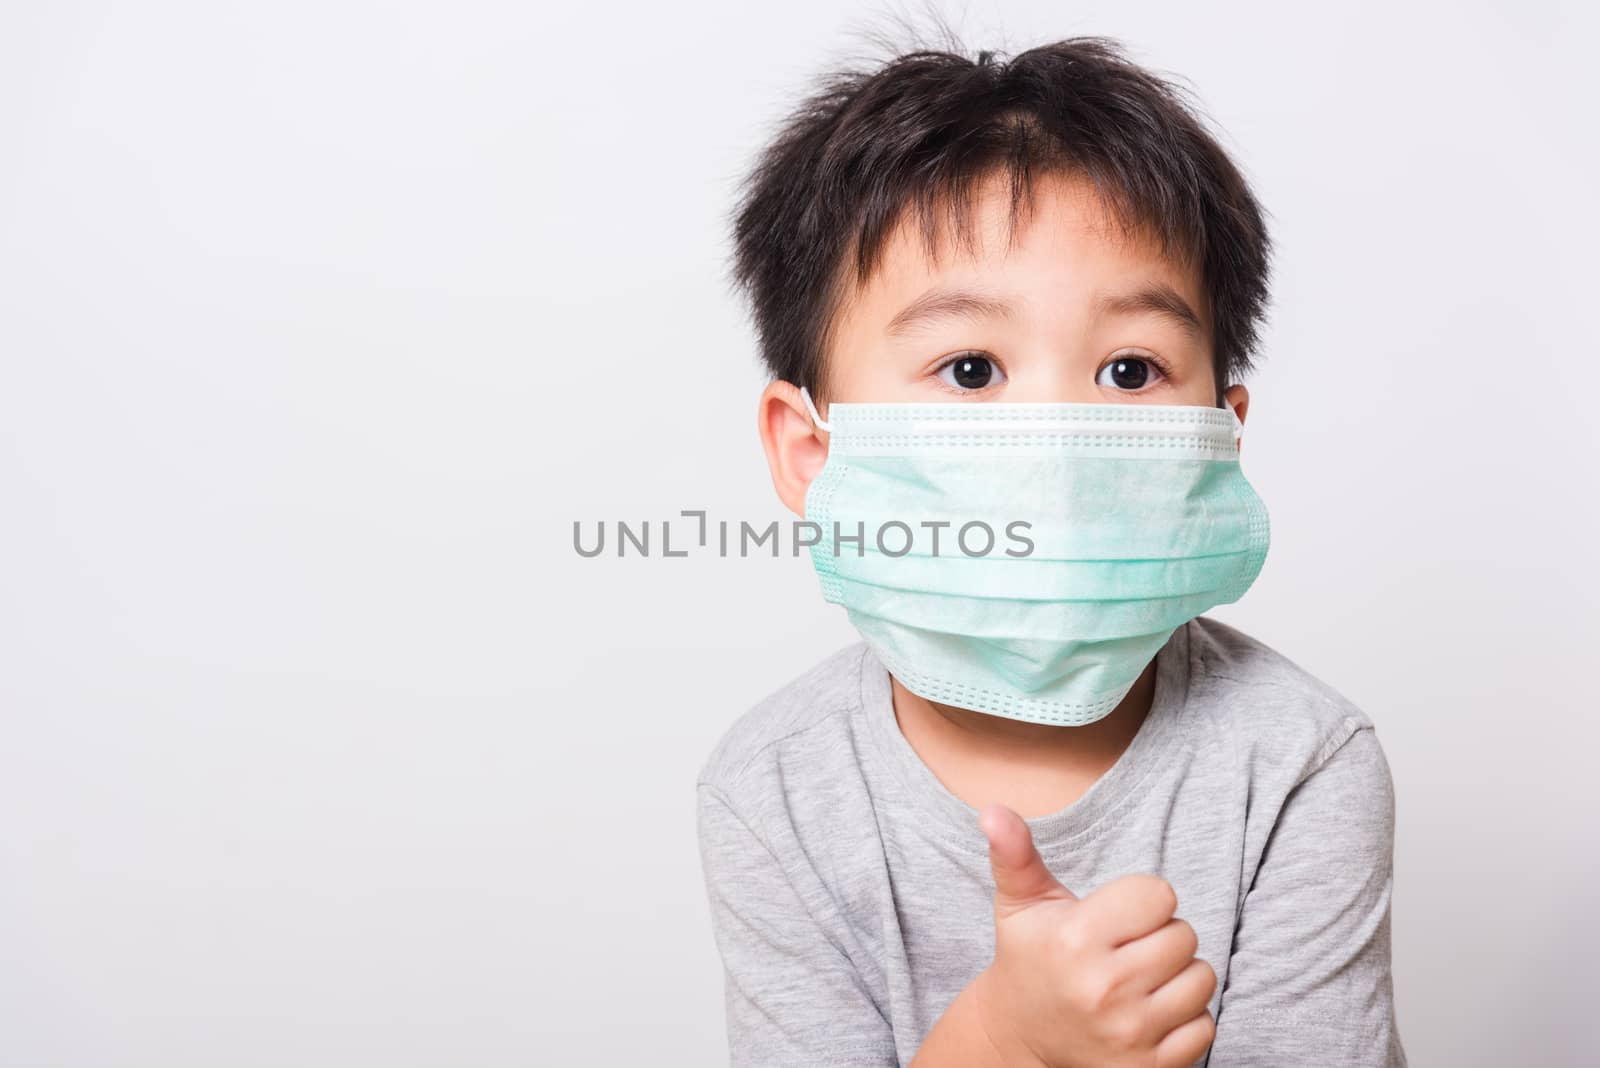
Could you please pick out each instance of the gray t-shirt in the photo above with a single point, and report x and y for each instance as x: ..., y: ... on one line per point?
x: 852, y: 899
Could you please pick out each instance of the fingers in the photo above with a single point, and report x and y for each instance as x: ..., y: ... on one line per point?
x: 1183, y: 996
x: 1128, y: 908
x: 1020, y: 875
x: 1149, y: 962
x: 1185, y: 1044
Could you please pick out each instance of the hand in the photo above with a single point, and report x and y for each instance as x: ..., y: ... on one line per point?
x: 1110, y: 981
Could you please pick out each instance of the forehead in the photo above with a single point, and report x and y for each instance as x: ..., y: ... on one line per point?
x: 1060, y: 239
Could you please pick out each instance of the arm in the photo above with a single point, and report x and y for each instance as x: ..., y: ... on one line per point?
x: 958, y: 1038
x: 793, y: 998
x: 1309, y: 976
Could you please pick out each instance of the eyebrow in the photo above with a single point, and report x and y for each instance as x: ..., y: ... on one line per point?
x: 938, y: 303
x: 1154, y: 297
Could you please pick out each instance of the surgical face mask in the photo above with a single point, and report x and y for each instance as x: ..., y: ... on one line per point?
x: 1029, y: 560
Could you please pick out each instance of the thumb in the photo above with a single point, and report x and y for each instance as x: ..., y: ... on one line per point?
x: 1020, y: 877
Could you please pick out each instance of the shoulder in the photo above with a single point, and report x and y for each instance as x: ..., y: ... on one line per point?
x: 810, y: 712
x: 1269, y: 709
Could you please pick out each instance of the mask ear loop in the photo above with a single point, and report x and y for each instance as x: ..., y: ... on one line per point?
x: 828, y: 427
x: 1238, y: 424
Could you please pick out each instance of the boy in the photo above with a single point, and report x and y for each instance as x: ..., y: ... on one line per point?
x: 977, y: 857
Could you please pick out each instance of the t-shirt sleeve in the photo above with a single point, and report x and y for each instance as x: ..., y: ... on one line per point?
x: 792, y: 996
x: 1309, y: 977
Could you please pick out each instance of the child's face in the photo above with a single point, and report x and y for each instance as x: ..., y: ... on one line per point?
x: 1073, y: 312
x: 1065, y: 337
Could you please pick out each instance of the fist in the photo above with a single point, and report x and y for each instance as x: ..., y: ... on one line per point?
x: 1108, y: 981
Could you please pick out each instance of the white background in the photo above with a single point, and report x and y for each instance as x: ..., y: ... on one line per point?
x: 320, y: 324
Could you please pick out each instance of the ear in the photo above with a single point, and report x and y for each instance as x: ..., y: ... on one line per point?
x: 795, y: 448
x: 1238, y: 399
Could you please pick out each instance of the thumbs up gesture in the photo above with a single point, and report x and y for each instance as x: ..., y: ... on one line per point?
x: 1108, y: 981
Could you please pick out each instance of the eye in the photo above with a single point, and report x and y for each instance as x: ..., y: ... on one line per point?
x: 971, y: 370
x: 1129, y: 373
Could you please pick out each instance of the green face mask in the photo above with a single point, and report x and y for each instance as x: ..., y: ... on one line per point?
x: 1029, y: 560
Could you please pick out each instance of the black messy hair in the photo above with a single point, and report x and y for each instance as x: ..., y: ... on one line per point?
x: 921, y: 130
